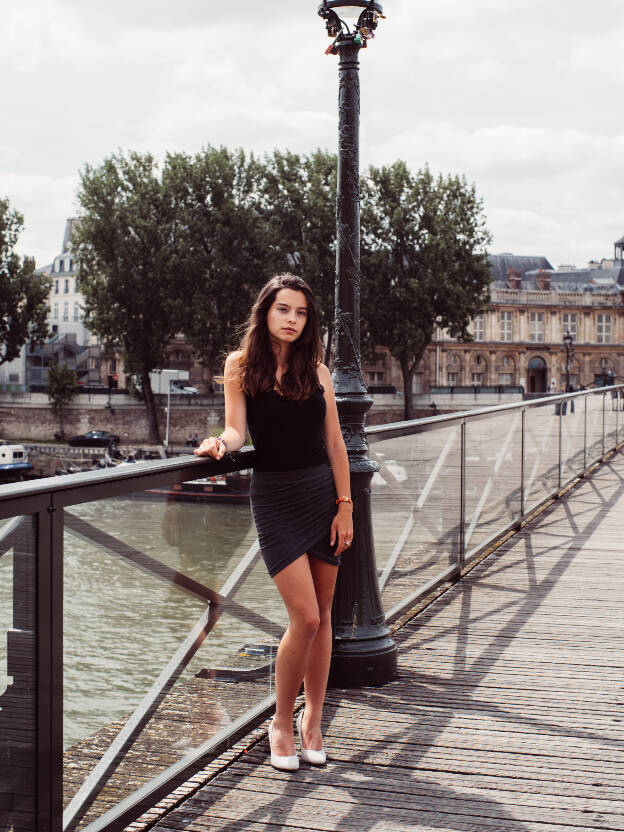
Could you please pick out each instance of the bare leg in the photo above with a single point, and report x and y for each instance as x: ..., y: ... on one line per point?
x: 296, y: 586
x: 317, y: 671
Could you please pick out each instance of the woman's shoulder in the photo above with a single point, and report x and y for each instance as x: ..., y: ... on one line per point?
x: 325, y: 379
x: 323, y: 372
x: 232, y: 362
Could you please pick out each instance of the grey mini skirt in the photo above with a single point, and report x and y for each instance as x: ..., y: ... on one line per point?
x: 293, y: 512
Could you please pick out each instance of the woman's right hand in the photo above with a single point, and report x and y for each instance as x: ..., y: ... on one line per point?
x: 211, y: 446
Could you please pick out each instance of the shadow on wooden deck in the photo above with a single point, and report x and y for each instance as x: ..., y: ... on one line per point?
x: 506, y: 716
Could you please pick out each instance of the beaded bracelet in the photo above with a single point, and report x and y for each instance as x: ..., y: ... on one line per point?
x: 223, y: 442
x: 344, y: 500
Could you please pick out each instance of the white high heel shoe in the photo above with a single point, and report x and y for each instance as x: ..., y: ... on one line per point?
x: 308, y: 755
x: 283, y: 763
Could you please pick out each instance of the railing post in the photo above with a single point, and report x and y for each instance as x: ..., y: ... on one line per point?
x: 522, y: 463
x: 561, y: 403
x: 585, y: 400
x: 604, y: 417
x: 462, y: 498
x: 50, y: 668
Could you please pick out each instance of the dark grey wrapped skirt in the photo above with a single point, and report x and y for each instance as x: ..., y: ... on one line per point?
x: 293, y: 512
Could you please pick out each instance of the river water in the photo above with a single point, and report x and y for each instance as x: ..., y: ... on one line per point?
x: 121, y: 624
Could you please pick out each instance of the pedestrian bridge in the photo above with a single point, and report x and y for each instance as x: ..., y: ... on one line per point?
x: 137, y: 677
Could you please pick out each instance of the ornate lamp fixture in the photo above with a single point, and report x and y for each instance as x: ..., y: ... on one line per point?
x: 353, y: 19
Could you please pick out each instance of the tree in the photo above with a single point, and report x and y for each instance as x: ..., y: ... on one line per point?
x: 62, y: 386
x: 219, y: 245
x: 23, y: 294
x: 123, y: 246
x: 299, y: 203
x: 424, y: 261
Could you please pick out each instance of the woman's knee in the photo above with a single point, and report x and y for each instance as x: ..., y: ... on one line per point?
x: 305, y: 623
x: 325, y: 609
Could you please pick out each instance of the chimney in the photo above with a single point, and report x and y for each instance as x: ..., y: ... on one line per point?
x: 543, y: 280
x: 514, y: 279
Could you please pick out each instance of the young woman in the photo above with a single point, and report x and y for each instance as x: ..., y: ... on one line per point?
x: 300, y: 493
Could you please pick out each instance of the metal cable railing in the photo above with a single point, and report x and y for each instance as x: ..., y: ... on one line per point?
x: 447, y: 488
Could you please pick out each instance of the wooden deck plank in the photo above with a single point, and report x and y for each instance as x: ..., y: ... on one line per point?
x: 506, y: 715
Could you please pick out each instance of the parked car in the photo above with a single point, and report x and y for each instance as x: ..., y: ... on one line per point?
x: 179, y: 388
x: 94, y: 439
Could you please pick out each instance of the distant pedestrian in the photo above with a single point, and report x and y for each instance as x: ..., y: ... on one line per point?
x: 300, y: 493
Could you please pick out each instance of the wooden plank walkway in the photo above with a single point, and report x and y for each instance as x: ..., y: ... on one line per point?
x: 506, y: 716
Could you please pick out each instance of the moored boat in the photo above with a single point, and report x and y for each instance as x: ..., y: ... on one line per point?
x: 13, y: 461
x: 228, y: 488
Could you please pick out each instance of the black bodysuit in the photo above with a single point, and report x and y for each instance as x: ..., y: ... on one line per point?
x: 287, y: 435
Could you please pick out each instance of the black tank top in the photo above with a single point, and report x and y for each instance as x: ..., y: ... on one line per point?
x: 287, y: 434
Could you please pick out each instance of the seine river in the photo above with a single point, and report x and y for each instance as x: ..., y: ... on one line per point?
x: 121, y: 624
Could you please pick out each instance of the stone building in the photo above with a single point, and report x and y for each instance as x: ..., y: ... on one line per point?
x: 518, y: 340
x: 71, y: 343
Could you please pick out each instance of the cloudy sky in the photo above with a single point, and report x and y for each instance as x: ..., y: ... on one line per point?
x: 524, y: 98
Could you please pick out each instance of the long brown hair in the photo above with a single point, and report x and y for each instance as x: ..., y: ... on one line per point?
x: 257, y: 366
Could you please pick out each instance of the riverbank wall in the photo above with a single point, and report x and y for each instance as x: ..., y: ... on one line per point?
x: 29, y: 416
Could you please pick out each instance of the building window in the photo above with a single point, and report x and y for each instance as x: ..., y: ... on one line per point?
x: 479, y: 327
x: 506, y: 326
x: 604, y: 363
x: 569, y: 324
x: 504, y: 378
x: 56, y: 287
x: 61, y: 267
x: 376, y: 379
x: 477, y: 379
x: 417, y: 383
x: 453, y: 379
x: 71, y: 265
x: 66, y: 289
x: 507, y: 361
x: 55, y: 312
x: 453, y: 359
x: 604, y: 329
x: 536, y: 320
x: 76, y: 310
x: 66, y: 311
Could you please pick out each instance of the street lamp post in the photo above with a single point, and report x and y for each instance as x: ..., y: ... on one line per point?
x: 363, y: 652
x: 568, y: 346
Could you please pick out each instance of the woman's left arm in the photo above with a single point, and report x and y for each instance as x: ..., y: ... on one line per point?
x: 342, y: 525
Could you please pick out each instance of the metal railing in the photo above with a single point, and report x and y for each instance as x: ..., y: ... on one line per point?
x: 459, y: 482
x: 448, y: 488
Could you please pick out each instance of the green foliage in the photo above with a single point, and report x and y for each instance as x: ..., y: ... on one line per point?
x: 124, y: 248
x: 424, y: 261
x: 23, y: 294
x: 187, y: 251
x: 62, y: 386
x: 299, y: 205
x: 219, y: 245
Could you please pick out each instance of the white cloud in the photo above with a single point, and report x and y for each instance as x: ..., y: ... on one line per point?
x: 522, y: 98
x: 555, y: 190
x: 45, y: 202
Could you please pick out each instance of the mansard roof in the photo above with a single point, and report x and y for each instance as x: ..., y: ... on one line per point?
x: 501, y: 263
x: 605, y: 279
